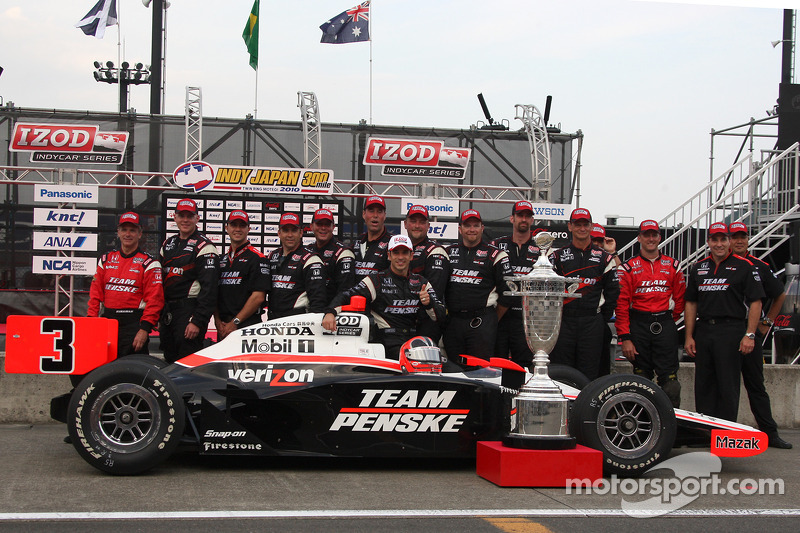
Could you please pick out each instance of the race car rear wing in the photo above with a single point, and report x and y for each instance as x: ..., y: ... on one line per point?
x: 59, y: 344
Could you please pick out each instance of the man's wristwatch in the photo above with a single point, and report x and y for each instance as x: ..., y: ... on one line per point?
x: 236, y: 321
x: 751, y: 336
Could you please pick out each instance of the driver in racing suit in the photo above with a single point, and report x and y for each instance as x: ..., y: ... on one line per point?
x: 398, y: 298
x: 645, y: 324
x: 475, y: 293
x: 580, y: 340
x: 128, y: 286
x: 191, y: 277
x: 298, y: 282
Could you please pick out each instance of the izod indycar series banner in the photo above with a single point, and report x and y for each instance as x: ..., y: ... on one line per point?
x: 201, y: 176
x: 69, y: 143
x: 417, y: 159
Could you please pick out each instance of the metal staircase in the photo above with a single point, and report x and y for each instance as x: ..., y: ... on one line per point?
x: 762, y: 194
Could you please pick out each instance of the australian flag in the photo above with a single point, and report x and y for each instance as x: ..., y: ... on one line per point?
x: 350, y: 26
x: 104, y: 13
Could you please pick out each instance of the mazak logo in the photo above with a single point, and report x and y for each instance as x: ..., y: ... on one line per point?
x: 69, y: 143
x: 409, y: 411
x: 275, y: 377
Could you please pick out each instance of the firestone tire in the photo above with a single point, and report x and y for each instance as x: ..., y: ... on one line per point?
x: 628, y: 418
x: 125, y: 417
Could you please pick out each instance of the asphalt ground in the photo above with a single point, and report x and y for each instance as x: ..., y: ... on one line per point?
x: 46, y: 486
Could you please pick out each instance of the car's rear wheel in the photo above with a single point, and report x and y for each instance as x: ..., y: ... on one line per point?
x: 629, y: 418
x: 125, y: 417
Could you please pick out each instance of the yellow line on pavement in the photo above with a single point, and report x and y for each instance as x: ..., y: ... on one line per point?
x: 517, y: 525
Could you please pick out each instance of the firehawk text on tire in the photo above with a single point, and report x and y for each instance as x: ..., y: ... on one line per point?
x: 629, y: 418
x: 126, y: 417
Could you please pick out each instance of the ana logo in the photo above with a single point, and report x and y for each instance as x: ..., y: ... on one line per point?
x: 194, y: 175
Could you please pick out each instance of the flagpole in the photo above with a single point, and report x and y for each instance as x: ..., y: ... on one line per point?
x: 369, y: 22
x: 119, y: 53
x: 255, y: 105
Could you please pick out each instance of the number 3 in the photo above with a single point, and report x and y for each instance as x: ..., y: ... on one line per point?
x: 64, y: 361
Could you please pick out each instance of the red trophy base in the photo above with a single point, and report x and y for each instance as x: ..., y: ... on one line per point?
x: 516, y: 467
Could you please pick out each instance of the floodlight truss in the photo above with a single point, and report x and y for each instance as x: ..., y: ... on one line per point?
x: 193, y: 148
x: 539, y: 143
x: 312, y: 134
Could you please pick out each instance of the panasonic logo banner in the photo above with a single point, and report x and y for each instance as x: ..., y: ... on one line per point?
x: 436, y: 208
x: 76, y: 194
x: 47, y: 240
x: 65, y: 218
x: 64, y: 266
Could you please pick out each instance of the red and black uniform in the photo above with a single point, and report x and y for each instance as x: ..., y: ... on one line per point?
x: 511, y: 337
x: 650, y: 301
x: 298, y: 284
x: 191, y: 278
x: 394, y: 304
x: 722, y: 293
x: 371, y: 256
x: 476, y: 286
x: 580, y: 340
x: 753, y: 363
x: 128, y: 287
x: 241, y: 273
x: 339, y: 266
x: 430, y: 260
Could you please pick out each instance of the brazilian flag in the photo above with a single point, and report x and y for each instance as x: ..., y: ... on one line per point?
x: 250, y: 35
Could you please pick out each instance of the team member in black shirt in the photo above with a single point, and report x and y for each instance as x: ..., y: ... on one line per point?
x: 475, y: 293
x: 430, y: 260
x: 298, y: 284
x: 244, y: 279
x: 191, y: 277
x: 398, y: 298
x: 753, y: 363
x: 339, y: 261
x: 370, y: 248
x: 723, y: 307
x: 522, y: 254
x: 581, y: 337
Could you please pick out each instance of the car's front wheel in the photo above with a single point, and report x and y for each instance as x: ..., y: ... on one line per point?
x: 125, y: 417
x: 629, y: 418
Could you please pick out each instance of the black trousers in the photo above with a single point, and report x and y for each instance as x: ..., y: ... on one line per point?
x: 753, y: 379
x: 718, y: 367
x: 471, y: 335
x: 171, y: 331
x: 658, y: 352
x: 511, y: 339
x: 579, y: 344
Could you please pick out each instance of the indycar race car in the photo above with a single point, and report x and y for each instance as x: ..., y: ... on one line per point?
x: 289, y: 387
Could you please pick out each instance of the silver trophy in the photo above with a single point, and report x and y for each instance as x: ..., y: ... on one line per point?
x: 540, y: 418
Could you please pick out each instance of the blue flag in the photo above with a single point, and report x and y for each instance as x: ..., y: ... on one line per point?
x: 104, y: 13
x: 349, y: 26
